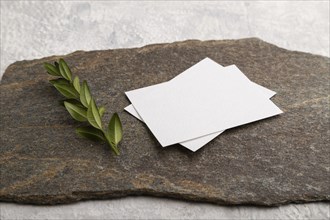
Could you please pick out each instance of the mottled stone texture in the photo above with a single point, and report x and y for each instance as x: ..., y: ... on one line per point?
x: 275, y: 161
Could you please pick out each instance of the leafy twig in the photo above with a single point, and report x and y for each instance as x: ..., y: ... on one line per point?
x: 82, y: 107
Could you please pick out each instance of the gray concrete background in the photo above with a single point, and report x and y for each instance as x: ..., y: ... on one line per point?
x: 32, y: 30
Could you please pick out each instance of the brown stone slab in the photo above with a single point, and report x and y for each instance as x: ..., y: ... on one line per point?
x: 271, y: 162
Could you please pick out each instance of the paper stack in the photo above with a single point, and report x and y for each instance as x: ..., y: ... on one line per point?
x: 200, y: 103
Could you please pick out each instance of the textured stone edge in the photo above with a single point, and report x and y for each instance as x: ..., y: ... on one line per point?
x: 146, y: 47
x: 87, y: 195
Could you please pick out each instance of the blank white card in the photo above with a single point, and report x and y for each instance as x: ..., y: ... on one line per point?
x: 205, y: 100
x: 197, y: 143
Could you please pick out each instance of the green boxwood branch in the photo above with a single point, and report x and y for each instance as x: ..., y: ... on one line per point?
x: 82, y: 107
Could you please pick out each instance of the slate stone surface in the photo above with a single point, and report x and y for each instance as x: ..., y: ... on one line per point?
x: 271, y: 162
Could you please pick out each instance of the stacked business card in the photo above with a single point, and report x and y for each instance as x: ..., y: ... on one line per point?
x: 200, y: 103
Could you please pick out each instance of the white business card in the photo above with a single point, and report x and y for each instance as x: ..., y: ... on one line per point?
x: 197, y: 143
x: 205, y: 99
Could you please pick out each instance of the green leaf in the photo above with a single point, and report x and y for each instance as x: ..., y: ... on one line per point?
x: 115, y: 131
x: 76, y: 84
x: 93, y: 115
x: 101, y: 111
x: 74, y: 102
x: 51, y: 70
x: 85, y: 94
x: 59, y: 81
x: 91, y: 133
x: 75, y: 111
x: 111, y: 143
x: 65, y: 70
x: 67, y: 90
